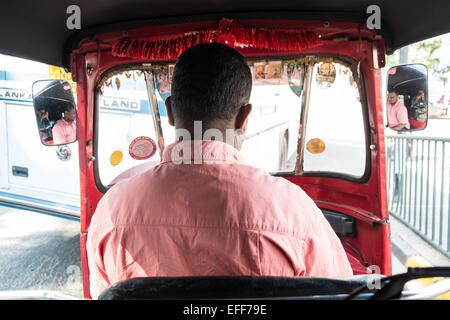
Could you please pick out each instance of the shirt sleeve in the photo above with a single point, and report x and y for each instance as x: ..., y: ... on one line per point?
x: 402, y: 115
x: 96, y: 246
x: 324, y: 255
x: 98, y: 279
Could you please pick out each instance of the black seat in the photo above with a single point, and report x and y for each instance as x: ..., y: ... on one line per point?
x: 241, y: 287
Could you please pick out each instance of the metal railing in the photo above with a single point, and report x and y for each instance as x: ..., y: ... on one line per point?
x: 418, y: 185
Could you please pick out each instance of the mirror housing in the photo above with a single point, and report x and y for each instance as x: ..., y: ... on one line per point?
x: 407, y: 97
x: 55, y: 109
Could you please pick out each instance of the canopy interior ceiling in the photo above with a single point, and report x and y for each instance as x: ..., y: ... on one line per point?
x: 37, y: 30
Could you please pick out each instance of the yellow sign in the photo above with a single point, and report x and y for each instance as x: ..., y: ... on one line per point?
x: 60, y: 74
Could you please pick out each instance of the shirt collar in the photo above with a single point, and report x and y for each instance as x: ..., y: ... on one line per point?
x: 395, y: 104
x: 67, y: 123
x: 201, y: 151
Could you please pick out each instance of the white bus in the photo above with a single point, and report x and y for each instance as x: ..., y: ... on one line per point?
x: 32, y: 175
x: 46, y: 178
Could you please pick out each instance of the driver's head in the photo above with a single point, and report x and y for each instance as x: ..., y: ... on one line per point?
x: 392, y: 97
x: 211, y: 83
x: 69, y: 113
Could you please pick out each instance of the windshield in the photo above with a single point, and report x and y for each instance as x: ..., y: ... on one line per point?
x: 335, y: 139
x: 133, y: 128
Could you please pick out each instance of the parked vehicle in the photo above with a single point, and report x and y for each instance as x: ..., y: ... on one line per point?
x: 32, y: 175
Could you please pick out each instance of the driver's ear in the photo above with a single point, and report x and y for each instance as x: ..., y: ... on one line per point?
x: 169, y: 111
x: 242, y: 116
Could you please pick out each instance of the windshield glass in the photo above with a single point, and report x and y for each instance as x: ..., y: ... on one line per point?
x: 124, y: 114
x: 335, y: 140
x: 133, y: 128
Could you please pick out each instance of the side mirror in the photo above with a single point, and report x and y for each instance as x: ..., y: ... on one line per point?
x: 407, y: 97
x: 55, y: 110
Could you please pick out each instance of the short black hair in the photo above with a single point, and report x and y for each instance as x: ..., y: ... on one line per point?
x: 393, y: 91
x: 211, y: 81
x: 67, y: 106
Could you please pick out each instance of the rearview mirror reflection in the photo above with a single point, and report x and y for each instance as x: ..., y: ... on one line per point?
x: 55, y: 111
x: 407, y: 97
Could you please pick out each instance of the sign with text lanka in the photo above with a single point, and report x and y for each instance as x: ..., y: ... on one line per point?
x: 15, y: 95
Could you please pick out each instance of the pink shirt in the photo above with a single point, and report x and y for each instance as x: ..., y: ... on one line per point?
x: 220, y: 217
x: 397, y: 114
x: 64, y: 132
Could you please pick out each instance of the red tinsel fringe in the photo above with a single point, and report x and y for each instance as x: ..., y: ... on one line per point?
x: 229, y: 32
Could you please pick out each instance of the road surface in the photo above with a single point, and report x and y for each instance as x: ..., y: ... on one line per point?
x: 39, y: 252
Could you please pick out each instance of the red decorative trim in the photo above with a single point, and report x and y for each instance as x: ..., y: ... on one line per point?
x: 228, y: 32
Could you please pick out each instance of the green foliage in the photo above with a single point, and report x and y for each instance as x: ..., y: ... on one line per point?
x: 429, y: 47
x: 425, y: 51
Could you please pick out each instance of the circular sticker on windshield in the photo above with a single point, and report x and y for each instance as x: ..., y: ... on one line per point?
x: 315, y: 146
x: 116, y: 157
x: 142, y: 148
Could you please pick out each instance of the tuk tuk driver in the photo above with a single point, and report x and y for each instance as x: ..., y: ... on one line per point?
x: 202, y: 211
x: 397, y: 112
x: 65, y: 129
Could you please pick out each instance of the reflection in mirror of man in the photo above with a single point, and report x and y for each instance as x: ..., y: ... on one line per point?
x: 418, y: 110
x: 44, y: 125
x: 419, y: 98
x: 397, y: 112
x: 65, y: 129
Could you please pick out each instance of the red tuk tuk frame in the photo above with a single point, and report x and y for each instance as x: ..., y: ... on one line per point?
x: 365, y: 200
